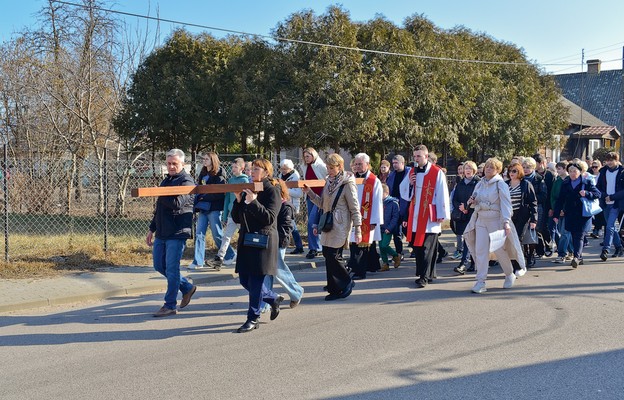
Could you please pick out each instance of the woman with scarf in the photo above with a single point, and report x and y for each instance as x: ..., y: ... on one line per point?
x: 573, y: 188
x: 340, y: 189
x: 492, y: 214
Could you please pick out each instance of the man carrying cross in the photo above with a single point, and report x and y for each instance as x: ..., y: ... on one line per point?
x: 427, y: 192
x: 171, y: 226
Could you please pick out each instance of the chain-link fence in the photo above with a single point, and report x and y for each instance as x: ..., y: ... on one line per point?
x: 58, y: 202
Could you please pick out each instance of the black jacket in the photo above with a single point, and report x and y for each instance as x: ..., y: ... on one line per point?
x: 215, y: 199
x: 541, y: 191
x: 528, y: 205
x: 285, y: 224
x: 601, y: 184
x: 173, y: 216
x: 461, y: 194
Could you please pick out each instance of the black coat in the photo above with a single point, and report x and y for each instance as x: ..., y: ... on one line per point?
x: 528, y: 205
x: 570, y: 202
x: 461, y: 194
x: 258, y: 216
x: 173, y: 216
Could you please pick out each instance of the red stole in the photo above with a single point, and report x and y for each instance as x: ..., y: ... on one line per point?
x: 366, y: 207
x: 429, y: 184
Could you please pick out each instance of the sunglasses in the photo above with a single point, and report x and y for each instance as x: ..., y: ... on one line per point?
x: 515, y: 171
x: 595, y: 166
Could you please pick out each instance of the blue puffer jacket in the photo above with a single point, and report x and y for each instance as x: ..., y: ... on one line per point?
x: 391, y: 215
x: 173, y: 216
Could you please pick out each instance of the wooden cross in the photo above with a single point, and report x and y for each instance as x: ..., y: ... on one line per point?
x: 221, y: 188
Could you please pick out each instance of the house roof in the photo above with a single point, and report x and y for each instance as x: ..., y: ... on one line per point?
x: 578, y: 116
x: 598, y: 132
x: 600, y: 94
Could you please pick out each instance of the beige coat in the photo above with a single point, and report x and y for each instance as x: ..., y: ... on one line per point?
x: 346, y: 214
x: 492, y: 196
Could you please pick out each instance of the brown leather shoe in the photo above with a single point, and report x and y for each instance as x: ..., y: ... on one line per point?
x: 186, y: 299
x: 396, y: 260
x: 385, y: 267
x: 165, y: 312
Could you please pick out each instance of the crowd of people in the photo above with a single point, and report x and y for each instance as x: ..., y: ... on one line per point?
x: 506, y: 215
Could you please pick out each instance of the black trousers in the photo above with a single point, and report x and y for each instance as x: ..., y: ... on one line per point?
x: 337, y: 275
x: 426, y: 256
x: 358, y: 260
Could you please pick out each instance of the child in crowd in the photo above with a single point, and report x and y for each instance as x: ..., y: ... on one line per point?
x: 389, y: 228
x: 230, y: 226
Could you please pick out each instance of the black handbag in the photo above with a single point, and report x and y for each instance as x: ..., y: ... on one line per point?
x: 457, y: 215
x: 255, y: 239
x: 326, y: 221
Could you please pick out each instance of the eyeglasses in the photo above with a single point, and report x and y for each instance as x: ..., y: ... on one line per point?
x: 514, y: 171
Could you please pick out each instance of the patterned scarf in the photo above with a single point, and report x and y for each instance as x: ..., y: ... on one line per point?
x: 335, y: 182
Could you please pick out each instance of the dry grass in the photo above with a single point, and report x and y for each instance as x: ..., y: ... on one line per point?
x: 41, y: 256
x: 44, y: 256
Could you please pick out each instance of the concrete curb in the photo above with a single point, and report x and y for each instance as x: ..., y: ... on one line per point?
x: 148, y: 286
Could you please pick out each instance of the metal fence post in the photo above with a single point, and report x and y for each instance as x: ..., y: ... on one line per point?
x: 5, y: 188
x: 105, y: 201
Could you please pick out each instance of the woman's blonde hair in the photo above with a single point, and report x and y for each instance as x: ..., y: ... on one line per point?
x: 496, y: 163
x: 472, y: 165
x: 311, y: 152
x: 335, y: 160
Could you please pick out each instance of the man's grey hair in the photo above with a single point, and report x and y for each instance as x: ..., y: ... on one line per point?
x: 363, y: 156
x: 176, y: 153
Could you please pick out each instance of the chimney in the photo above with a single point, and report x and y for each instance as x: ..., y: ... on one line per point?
x: 593, y: 67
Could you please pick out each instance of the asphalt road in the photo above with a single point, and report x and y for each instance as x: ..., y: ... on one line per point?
x: 556, y: 335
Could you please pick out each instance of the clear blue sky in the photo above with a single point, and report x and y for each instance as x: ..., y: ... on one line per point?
x: 550, y: 31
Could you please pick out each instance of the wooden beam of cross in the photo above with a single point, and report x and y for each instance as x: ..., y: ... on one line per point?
x: 220, y: 188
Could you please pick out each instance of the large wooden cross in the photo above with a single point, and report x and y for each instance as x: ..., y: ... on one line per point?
x: 221, y: 188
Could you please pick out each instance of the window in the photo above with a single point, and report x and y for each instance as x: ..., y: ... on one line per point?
x: 593, y: 145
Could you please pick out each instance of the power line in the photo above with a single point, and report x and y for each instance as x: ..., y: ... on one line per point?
x: 306, y: 42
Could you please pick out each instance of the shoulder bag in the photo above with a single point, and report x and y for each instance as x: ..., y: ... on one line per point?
x: 590, y: 207
x: 326, y: 221
x: 255, y: 239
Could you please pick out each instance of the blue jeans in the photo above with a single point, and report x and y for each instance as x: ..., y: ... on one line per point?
x: 258, y: 293
x: 465, y: 254
x: 167, y: 255
x: 564, y: 246
x: 611, y: 236
x: 285, y: 278
x: 212, y: 218
x: 314, y: 242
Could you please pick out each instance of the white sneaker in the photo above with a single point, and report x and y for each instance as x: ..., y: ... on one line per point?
x: 559, y: 260
x: 230, y: 261
x: 520, y: 272
x: 479, y: 288
x: 194, y: 266
x: 509, y: 281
